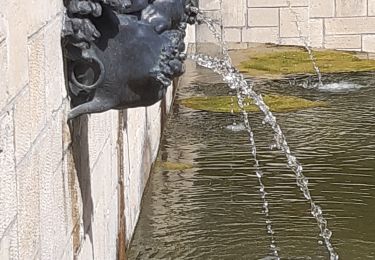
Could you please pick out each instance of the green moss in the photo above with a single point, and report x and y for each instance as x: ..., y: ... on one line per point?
x: 296, y: 61
x: 276, y: 103
x: 172, y: 166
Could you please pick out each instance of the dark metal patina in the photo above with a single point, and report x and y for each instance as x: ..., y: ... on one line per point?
x: 123, y: 53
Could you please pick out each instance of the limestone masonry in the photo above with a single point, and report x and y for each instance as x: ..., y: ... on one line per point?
x: 332, y: 24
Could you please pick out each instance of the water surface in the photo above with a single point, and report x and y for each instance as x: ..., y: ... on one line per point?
x: 214, y: 210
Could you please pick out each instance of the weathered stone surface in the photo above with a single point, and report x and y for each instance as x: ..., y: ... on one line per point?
x: 351, y: 8
x: 232, y: 34
x: 49, y: 155
x: 3, y: 63
x: 322, y: 8
x: 263, y: 17
x: 234, y: 14
x: 316, y: 33
x: 4, y: 73
x: 368, y: 42
x: 291, y: 19
x: 356, y: 25
x: 38, y: 17
x: 136, y: 157
x: 8, y: 184
x: 262, y: 35
x: 22, y: 125
x: 343, y: 42
x: 9, y: 243
x: 55, y: 90
x: 37, y: 83
x: 292, y: 41
x: 203, y: 34
x: 371, y: 7
x: 209, y: 4
x: 28, y: 195
x: 275, y: 3
x: 99, y: 127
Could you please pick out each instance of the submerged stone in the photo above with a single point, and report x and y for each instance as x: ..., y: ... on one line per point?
x: 225, y: 104
x: 274, y: 61
x: 172, y: 166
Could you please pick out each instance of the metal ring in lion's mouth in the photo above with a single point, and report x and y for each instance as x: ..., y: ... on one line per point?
x: 99, y: 79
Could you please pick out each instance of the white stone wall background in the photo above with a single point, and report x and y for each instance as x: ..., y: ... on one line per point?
x: 333, y: 24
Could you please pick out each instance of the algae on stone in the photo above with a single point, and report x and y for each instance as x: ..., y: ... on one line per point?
x: 172, y: 166
x: 287, y: 61
x: 224, y: 104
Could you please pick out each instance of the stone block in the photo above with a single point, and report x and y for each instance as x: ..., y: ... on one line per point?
x: 316, y: 33
x: 68, y: 252
x: 22, y: 125
x: 17, y: 47
x: 294, y: 22
x: 4, y: 96
x: 234, y: 13
x: 261, y: 35
x: 28, y: 189
x: 9, y: 243
x: 232, y: 34
x: 66, y: 135
x: 99, y: 129
x: 276, y: 3
x: 355, y: 25
x: 154, y: 124
x: 101, y: 179
x: 351, y: 8
x: 38, y: 17
x: 86, y: 250
x: 209, y: 4
x: 8, y: 180
x: 292, y: 41
x: 263, y: 17
x: 203, y: 33
x: 54, y: 8
x: 169, y: 98
x: 62, y: 225
x: 37, y: 83
x: 322, y: 8
x: 112, y: 228
x: 343, y: 42
x: 48, y: 153
x: 3, y: 29
x: 99, y: 232
x: 54, y: 68
x: 371, y: 7
x: 190, y: 34
x: 368, y: 43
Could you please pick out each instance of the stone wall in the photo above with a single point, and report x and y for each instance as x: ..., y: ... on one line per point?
x: 333, y: 24
x: 67, y: 191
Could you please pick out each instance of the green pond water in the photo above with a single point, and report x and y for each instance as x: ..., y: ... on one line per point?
x: 214, y: 210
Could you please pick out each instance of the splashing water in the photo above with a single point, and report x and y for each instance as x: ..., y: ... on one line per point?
x: 306, y: 43
x: 236, y: 81
x: 241, y: 103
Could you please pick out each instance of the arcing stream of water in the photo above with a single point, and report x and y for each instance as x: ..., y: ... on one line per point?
x: 244, y: 90
x: 306, y: 43
x: 241, y: 103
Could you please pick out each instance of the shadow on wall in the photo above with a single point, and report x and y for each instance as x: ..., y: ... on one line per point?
x: 80, y: 152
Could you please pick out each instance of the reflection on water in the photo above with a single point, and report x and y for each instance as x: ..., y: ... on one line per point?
x: 214, y: 211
